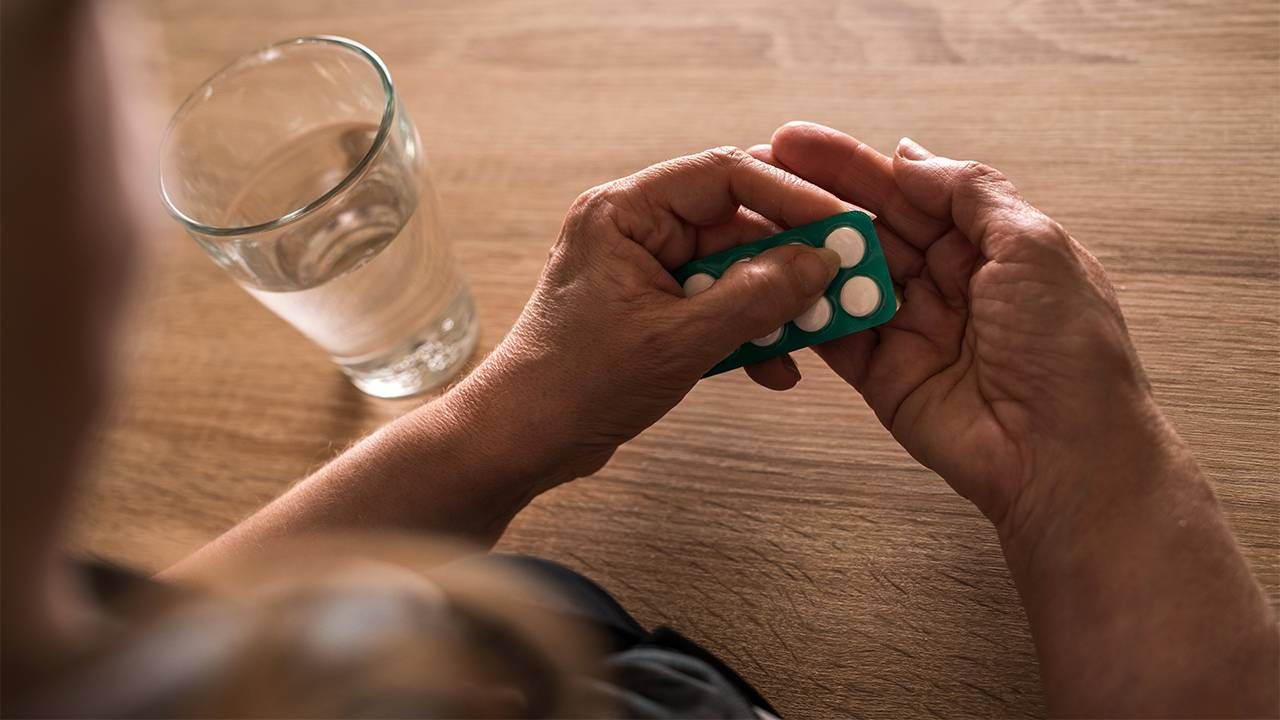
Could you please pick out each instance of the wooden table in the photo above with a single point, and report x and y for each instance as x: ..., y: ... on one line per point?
x: 787, y: 532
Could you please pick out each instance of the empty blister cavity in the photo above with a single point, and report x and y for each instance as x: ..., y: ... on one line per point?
x: 816, y: 317
x: 849, y: 244
x: 769, y: 339
x: 697, y: 283
x: 860, y: 296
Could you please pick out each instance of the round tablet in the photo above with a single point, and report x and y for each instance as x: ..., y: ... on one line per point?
x: 816, y: 317
x: 696, y: 283
x: 769, y: 339
x: 848, y: 244
x: 860, y: 296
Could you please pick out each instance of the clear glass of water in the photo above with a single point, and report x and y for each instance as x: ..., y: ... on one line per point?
x: 298, y: 170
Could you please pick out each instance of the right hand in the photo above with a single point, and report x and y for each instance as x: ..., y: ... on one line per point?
x: 608, y: 343
x: 1009, y: 362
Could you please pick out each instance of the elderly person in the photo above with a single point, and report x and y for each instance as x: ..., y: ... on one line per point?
x: 1008, y: 370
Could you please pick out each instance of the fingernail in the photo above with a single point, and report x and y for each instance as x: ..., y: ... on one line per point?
x: 862, y: 210
x: 911, y: 150
x: 830, y: 259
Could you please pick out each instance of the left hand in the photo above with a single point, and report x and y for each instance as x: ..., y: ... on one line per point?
x: 967, y: 376
x: 608, y: 343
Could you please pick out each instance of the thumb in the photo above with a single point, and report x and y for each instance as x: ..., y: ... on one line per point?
x: 756, y: 297
x: 966, y: 193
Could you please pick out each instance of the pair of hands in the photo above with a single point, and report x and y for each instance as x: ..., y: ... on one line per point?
x: 1008, y: 370
x: 1008, y: 360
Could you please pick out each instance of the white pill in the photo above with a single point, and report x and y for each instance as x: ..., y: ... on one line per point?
x: 816, y: 317
x: 697, y: 283
x: 848, y: 244
x: 860, y: 296
x: 769, y: 339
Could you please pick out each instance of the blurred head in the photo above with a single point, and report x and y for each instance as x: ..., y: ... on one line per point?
x: 319, y: 628
x: 74, y: 172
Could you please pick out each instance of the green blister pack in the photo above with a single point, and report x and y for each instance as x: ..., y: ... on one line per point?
x: 860, y: 296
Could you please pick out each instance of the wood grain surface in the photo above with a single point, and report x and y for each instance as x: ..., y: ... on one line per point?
x: 786, y: 532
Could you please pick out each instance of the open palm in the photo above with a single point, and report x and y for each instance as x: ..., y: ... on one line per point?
x: 1006, y: 325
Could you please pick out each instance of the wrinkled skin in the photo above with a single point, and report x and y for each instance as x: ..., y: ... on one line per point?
x: 1009, y: 340
x: 608, y: 332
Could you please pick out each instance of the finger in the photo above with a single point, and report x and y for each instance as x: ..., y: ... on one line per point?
x: 920, y: 341
x: 764, y: 153
x: 754, y: 298
x: 951, y: 262
x: 857, y: 173
x: 904, y: 259
x: 745, y: 226
x: 849, y: 356
x: 975, y: 197
x: 778, y: 373
x: 707, y: 188
x: 885, y: 364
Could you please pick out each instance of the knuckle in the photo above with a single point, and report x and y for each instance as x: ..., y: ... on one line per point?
x: 595, y: 208
x: 982, y: 187
x: 592, y: 201
x: 1044, y: 232
x: 1036, y: 225
x: 1051, y: 231
x: 982, y: 184
x: 982, y: 176
x: 766, y: 290
x: 727, y: 155
x: 589, y: 214
x: 760, y: 282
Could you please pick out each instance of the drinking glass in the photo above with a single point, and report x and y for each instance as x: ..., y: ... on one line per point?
x: 299, y: 172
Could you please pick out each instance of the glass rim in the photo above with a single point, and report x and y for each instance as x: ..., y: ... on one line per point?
x: 241, y: 63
